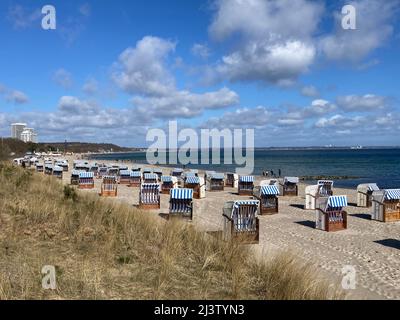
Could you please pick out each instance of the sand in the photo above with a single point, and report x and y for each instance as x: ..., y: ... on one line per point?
x: 372, y: 247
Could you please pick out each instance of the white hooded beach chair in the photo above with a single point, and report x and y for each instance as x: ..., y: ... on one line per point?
x: 289, y: 186
x: 268, y: 197
x: 109, y: 186
x: 181, y: 203
x: 102, y: 172
x: 197, y: 185
x: 330, y: 213
x: 113, y: 171
x: 86, y: 180
x: 168, y: 183
x: 95, y: 169
x: 215, y: 182
x: 386, y: 205
x: 364, y: 194
x: 241, y: 222
x: 246, y: 185
x: 232, y: 180
x: 149, y: 196
x: 58, y: 172
x: 177, y: 172
x: 48, y: 169
x: 322, y: 189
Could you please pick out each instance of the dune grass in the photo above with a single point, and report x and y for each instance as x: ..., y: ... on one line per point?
x: 105, y: 250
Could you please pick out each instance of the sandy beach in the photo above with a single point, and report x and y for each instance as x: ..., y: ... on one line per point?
x: 371, y: 247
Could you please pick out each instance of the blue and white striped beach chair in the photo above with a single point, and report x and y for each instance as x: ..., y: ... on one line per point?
x: 245, y: 185
x: 241, y: 221
x: 86, y: 180
x: 330, y: 213
x: 149, y: 196
x: 109, y: 186
x: 181, y: 203
x: 386, y: 205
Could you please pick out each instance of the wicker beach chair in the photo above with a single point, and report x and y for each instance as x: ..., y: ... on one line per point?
x: 268, y: 197
x: 364, y: 194
x: 386, y: 205
x: 149, y: 196
x: 330, y: 213
x: 181, y: 203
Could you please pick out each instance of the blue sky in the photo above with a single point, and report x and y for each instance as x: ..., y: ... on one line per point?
x: 112, y: 70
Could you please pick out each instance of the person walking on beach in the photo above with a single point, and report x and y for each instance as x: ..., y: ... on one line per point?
x: 279, y: 173
x: 272, y: 173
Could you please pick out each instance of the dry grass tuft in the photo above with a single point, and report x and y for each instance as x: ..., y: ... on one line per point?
x: 104, y: 250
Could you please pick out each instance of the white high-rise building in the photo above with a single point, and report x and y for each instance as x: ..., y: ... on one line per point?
x: 17, y: 129
x: 21, y: 132
x: 29, y: 135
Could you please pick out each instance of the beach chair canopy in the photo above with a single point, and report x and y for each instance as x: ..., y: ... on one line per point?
x: 313, y: 190
x: 392, y: 194
x: 150, y: 176
x: 195, y: 171
x: 193, y: 180
x: 157, y: 171
x: 135, y: 174
x: 367, y: 187
x: 57, y: 169
x: 75, y: 173
x: 217, y: 176
x: 269, y: 190
x: 336, y: 202
x: 294, y: 180
x: 103, y: 169
x: 150, y: 186
x: 166, y: 179
x: 147, y: 170
x: 190, y: 174
x: 123, y: 168
x: 239, y: 203
x: 246, y: 179
x: 94, y: 168
x: 86, y: 175
x: 136, y: 168
x: 177, y: 170
x: 181, y: 194
x: 125, y: 173
x: 208, y: 173
x: 325, y: 182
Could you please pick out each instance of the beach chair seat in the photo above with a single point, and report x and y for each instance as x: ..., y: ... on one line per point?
x: 181, y: 203
x: 245, y: 185
x: 149, y: 196
x: 386, y: 205
x: 241, y: 222
x: 135, y: 179
x: 330, y: 213
x: 268, y: 197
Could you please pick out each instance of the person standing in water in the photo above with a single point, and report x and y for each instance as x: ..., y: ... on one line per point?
x: 279, y: 171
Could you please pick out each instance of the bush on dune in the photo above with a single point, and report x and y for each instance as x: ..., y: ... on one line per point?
x: 106, y: 250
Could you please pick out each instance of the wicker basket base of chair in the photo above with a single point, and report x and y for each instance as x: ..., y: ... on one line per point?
x: 290, y: 193
x: 109, y: 193
x: 149, y: 206
x: 195, y: 188
x: 268, y: 210
x: 246, y: 237
x: 391, y: 215
x: 125, y: 182
x: 86, y: 186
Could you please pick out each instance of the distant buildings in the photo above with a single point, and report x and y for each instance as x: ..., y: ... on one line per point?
x: 21, y: 132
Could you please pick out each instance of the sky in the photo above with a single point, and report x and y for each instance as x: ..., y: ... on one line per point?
x: 113, y: 70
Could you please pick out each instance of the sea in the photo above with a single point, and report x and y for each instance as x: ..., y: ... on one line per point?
x: 355, y: 166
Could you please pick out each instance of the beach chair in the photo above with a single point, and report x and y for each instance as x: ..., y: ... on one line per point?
x: 125, y: 177
x: 289, y: 186
x: 58, y: 172
x: 215, y: 182
x: 102, y: 172
x: 232, y: 180
x: 197, y: 185
x: 48, y: 169
x: 86, y: 180
x: 122, y: 168
x: 330, y: 213
x: 149, y: 196
x: 246, y: 185
x: 158, y: 172
x: 207, y: 174
x: 75, y: 177
x: 109, y: 186
x: 325, y: 189
x: 364, y: 194
x: 177, y: 172
x: 386, y: 205
x: 95, y: 170
x: 150, y: 178
x: 136, y: 168
x: 147, y: 170
x: 181, y: 203
x: 39, y: 168
x: 268, y: 197
x: 168, y: 183
x: 241, y: 222
x: 135, y: 179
